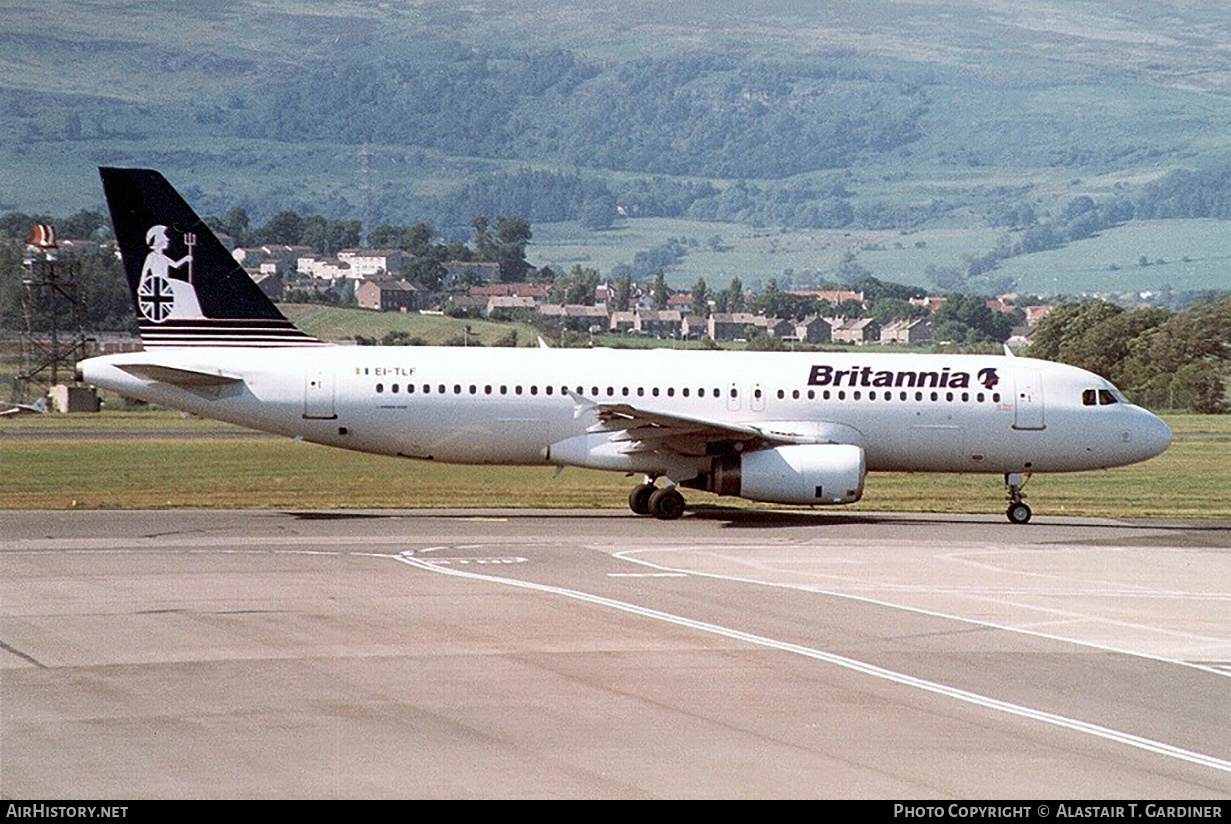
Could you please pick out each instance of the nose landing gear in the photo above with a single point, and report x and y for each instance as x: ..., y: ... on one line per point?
x: 1018, y: 512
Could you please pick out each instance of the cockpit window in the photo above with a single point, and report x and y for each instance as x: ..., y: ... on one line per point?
x: 1099, y: 397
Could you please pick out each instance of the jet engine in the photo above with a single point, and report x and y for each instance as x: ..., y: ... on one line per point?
x: 797, y: 474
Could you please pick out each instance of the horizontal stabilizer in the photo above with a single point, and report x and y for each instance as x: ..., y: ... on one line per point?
x: 178, y: 376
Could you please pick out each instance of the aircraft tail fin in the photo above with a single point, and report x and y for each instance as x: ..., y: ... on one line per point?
x: 185, y: 286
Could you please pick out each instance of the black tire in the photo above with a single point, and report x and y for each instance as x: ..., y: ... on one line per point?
x: 639, y: 498
x: 1018, y: 513
x: 667, y: 504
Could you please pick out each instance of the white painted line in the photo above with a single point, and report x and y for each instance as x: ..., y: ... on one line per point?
x: 646, y: 575
x: 849, y: 663
x: 628, y: 554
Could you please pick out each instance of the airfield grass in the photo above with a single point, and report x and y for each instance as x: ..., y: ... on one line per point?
x: 340, y: 323
x: 86, y: 469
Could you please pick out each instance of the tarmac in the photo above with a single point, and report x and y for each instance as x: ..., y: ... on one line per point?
x: 553, y: 654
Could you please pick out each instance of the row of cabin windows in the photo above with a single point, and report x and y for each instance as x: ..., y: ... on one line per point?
x: 442, y: 389
x: 640, y: 391
x: 887, y: 395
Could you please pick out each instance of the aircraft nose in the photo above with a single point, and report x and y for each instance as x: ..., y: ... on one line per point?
x: 1153, y: 436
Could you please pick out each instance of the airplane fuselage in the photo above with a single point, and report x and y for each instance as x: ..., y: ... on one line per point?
x: 788, y: 428
x: 914, y: 413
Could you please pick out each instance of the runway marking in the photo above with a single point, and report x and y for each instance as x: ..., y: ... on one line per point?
x: 477, y: 561
x: 984, y: 701
x: 627, y: 555
x: 646, y: 575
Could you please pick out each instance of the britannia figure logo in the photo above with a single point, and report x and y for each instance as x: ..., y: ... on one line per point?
x: 159, y: 295
x: 988, y: 378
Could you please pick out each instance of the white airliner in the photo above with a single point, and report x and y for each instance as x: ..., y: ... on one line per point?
x: 787, y: 428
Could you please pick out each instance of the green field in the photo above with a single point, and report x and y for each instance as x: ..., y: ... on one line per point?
x: 755, y: 255
x: 1182, y: 254
x: 84, y: 467
x: 336, y: 323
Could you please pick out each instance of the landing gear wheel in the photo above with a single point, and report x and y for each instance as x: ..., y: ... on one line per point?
x: 639, y: 498
x: 667, y: 504
x: 1018, y: 513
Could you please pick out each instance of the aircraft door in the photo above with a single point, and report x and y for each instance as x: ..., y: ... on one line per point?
x: 318, y: 394
x: 1028, y: 407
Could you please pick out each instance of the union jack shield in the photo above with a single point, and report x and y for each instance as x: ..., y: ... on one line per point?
x: 156, y: 299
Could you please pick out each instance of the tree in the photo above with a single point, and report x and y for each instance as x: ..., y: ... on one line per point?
x: 623, y: 293
x: 598, y: 211
x: 483, y: 244
x: 1159, y: 359
x: 1197, y: 386
x: 735, y: 296
x: 579, y: 286
x: 773, y: 302
x: 1066, y: 320
x: 972, y: 314
x: 507, y: 247
x: 1104, y: 347
x: 286, y: 227
x: 700, y: 298
x: 417, y: 239
x: 82, y: 224
x: 236, y: 224
x: 513, y: 230
x: 659, y: 294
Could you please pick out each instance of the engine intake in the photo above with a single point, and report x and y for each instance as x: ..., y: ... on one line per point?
x: 798, y: 474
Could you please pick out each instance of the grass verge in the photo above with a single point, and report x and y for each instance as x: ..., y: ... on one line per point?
x: 89, y: 469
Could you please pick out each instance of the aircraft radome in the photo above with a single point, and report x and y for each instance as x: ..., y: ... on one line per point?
x: 787, y: 428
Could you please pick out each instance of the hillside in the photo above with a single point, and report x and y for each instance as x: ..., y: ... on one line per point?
x: 867, y: 119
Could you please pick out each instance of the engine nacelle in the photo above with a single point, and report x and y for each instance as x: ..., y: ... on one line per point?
x: 798, y: 474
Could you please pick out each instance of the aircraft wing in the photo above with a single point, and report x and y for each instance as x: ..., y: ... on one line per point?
x: 643, y: 430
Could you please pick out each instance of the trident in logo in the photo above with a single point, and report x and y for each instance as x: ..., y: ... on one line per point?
x: 190, y: 240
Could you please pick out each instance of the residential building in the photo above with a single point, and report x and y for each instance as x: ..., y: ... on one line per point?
x: 813, y: 329
x: 387, y: 295
x: 907, y: 331
x: 732, y: 325
x: 372, y: 263
x: 660, y: 323
x: 857, y: 330
x: 465, y: 272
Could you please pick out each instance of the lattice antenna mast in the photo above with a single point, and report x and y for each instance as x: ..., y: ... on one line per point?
x: 53, y: 335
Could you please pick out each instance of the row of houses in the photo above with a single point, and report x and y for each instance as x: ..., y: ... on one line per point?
x: 503, y: 301
x: 298, y: 263
x: 372, y: 275
x: 719, y: 326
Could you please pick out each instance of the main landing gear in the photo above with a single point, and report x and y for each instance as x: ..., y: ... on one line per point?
x: 666, y: 504
x: 1018, y: 512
